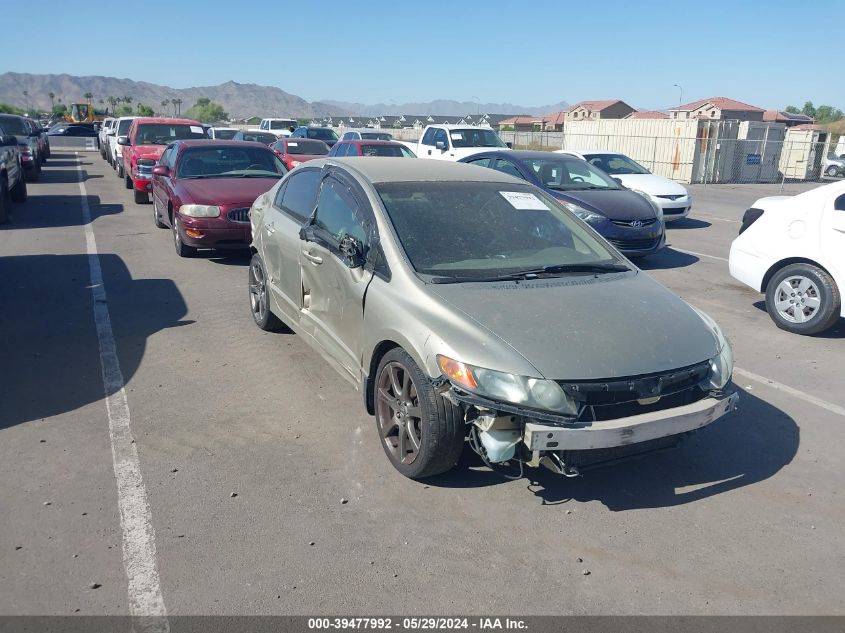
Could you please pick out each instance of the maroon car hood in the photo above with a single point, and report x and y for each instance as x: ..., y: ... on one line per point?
x: 305, y: 157
x: 240, y: 192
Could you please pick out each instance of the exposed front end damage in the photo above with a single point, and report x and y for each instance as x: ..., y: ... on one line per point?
x: 616, y: 420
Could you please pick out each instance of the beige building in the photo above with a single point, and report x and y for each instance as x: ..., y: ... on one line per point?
x: 596, y: 110
x: 717, y: 108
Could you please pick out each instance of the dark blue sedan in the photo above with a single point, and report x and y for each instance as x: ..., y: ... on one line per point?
x: 626, y: 219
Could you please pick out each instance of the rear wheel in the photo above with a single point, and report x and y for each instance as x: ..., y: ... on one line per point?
x: 803, y: 299
x: 421, y: 432
x: 182, y: 249
x: 19, y: 193
x: 259, y: 298
x: 832, y: 171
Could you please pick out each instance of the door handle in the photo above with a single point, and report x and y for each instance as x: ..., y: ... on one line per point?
x: 314, y: 259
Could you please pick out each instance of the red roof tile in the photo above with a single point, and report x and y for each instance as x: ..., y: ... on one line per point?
x: 594, y: 106
x: 722, y: 103
x: 648, y: 114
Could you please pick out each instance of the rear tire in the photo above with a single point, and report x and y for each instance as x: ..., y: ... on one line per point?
x: 421, y: 432
x: 19, y: 193
x: 803, y: 299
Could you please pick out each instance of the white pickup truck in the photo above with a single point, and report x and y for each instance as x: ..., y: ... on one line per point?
x: 454, y: 142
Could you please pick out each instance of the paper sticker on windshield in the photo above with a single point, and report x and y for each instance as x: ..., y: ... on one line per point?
x: 293, y: 144
x: 196, y: 129
x: 524, y: 201
x: 458, y: 136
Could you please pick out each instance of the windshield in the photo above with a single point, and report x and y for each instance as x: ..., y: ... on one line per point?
x: 485, y: 230
x: 305, y: 146
x: 615, y: 164
x: 376, y: 136
x: 123, y: 127
x: 282, y: 124
x: 475, y: 137
x: 230, y: 162
x: 322, y: 133
x: 260, y: 137
x: 397, y: 151
x: 569, y: 174
x: 14, y: 125
x: 226, y: 135
x: 166, y: 133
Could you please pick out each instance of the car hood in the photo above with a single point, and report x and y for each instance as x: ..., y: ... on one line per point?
x: 615, y: 204
x: 304, y: 157
x: 225, y: 191
x: 649, y: 183
x: 148, y: 151
x: 587, y: 328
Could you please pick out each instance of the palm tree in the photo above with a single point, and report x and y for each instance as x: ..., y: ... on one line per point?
x: 112, y: 101
x: 52, y: 96
x: 88, y: 96
x: 178, y: 104
x: 26, y: 98
x: 164, y: 104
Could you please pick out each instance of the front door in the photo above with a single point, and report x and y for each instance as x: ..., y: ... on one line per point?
x: 833, y: 236
x: 332, y: 287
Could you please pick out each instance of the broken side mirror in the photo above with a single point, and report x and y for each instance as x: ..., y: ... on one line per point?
x: 352, y: 251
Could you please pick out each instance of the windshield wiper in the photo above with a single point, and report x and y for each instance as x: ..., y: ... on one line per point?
x: 535, y: 273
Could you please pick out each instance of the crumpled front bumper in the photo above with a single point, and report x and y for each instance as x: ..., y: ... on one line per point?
x: 539, y: 436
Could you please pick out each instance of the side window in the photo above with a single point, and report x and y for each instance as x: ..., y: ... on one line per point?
x: 346, y: 136
x: 507, y: 168
x: 440, y: 136
x: 481, y: 162
x: 164, y: 156
x: 337, y: 213
x: 428, y: 137
x: 300, y: 193
x: 351, y: 149
x: 264, y: 125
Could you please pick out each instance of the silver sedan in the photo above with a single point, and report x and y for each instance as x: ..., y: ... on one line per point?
x: 469, y: 307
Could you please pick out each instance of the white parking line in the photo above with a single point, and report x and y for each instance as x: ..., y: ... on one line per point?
x: 777, y: 386
x: 683, y: 250
x: 139, y: 552
x: 714, y: 217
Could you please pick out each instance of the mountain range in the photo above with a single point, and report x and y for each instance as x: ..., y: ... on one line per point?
x: 239, y: 100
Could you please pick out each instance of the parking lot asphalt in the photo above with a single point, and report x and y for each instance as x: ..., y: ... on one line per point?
x: 248, y: 445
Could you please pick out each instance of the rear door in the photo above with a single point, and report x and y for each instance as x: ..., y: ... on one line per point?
x: 333, y: 287
x: 291, y: 209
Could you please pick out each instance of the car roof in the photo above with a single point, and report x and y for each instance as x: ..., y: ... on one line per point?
x: 162, y: 119
x: 220, y: 143
x: 467, y: 126
x: 367, y: 141
x: 593, y: 151
x: 389, y: 169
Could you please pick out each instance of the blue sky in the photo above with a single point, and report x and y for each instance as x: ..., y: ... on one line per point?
x: 769, y: 53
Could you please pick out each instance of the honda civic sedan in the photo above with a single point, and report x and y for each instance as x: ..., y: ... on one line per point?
x: 470, y: 307
x: 626, y: 219
x: 203, y: 190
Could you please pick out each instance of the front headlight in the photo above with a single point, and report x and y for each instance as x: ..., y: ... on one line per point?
x: 535, y: 393
x: 722, y: 364
x: 658, y: 210
x: 200, y: 210
x: 581, y: 212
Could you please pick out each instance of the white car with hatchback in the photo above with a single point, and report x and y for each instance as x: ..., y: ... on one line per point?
x: 792, y: 248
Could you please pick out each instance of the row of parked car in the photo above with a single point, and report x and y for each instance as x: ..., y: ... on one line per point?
x: 24, y: 148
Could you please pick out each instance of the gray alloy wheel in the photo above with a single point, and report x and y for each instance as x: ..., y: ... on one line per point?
x: 259, y: 299
x: 803, y: 298
x: 421, y: 433
x: 182, y: 249
x: 832, y: 170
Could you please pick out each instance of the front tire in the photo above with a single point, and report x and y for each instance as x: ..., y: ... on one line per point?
x: 127, y: 182
x: 157, y: 218
x: 182, y: 249
x: 421, y: 432
x: 259, y: 297
x: 141, y: 197
x: 803, y: 299
x: 19, y: 193
x: 5, y: 202
x: 832, y: 171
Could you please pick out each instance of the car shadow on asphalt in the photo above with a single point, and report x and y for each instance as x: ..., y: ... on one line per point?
x: 740, y: 449
x: 688, y: 223
x: 666, y: 258
x: 49, y: 348
x: 235, y: 257
x: 836, y: 332
x: 60, y: 176
x: 41, y: 211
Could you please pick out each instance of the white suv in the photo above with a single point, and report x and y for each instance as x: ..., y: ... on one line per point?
x: 114, y: 152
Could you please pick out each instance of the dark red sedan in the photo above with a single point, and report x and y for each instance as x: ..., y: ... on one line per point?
x: 295, y: 151
x: 203, y: 191
x: 364, y: 147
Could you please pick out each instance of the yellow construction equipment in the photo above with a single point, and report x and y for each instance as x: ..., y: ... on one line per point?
x: 82, y: 113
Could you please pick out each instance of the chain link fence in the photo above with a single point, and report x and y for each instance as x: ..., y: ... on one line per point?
x: 803, y: 156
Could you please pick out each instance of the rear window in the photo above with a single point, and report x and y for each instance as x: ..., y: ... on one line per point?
x: 397, y: 151
x: 376, y: 136
x: 322, y: 133
x: 282, y: 125
x: 13, y: 125
x: 306, y: 146
x: 225, y: 135
x: 166, y: 133
x: 260, y: 137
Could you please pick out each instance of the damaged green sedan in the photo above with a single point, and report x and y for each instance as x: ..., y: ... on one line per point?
x: 469, y: 307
